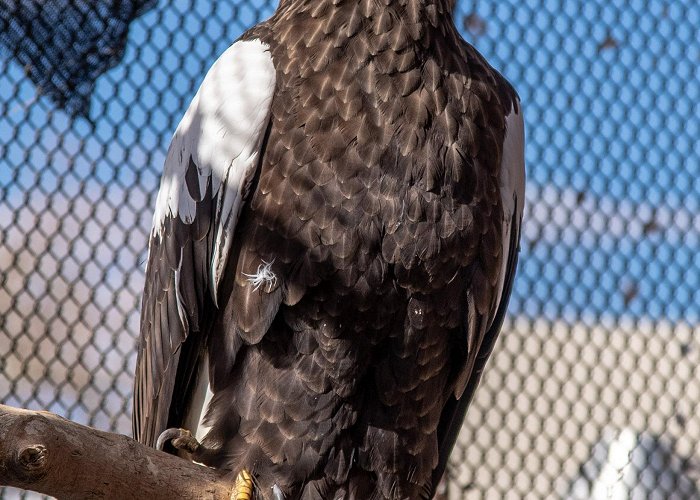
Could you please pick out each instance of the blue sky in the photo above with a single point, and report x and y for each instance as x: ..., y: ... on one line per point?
x: 610, y: 92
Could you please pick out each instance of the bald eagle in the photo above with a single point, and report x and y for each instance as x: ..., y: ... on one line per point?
x: 333, y: 248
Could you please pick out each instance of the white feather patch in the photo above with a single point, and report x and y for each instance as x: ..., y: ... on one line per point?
x: 198, y: 406
x: 222, y: 131
x: 513, y: 163
x: 512, y: 184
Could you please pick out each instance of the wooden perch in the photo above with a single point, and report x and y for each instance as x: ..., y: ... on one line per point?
x: 43, y: 452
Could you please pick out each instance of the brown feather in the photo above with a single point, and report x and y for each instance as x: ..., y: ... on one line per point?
x: 377, y: 204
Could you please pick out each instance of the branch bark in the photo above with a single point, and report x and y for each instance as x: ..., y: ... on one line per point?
x: 46, y: 453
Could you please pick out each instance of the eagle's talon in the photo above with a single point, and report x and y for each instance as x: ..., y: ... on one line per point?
x: 243, y: 486
x: 181, y: 439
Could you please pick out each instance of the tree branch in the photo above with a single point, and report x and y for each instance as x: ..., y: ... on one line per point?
x: 43, y: 452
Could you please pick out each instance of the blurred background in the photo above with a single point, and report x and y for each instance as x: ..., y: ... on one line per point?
x: 593, y: 389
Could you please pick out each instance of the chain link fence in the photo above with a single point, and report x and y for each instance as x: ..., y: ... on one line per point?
x: 593, y: 390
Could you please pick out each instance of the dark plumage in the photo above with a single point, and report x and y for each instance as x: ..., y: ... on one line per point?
x: 377, y: 202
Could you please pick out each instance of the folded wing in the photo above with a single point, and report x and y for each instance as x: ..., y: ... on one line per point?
x: 212, y: 158
x: 483, y: 331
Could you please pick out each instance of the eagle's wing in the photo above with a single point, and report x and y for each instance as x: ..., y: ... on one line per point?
x: 483, y: 334
x: 213, y: 156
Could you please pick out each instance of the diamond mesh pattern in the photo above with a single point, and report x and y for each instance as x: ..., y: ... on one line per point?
x: 593, y: 390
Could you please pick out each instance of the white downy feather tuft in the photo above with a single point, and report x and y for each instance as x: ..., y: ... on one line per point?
x: 263, y: 276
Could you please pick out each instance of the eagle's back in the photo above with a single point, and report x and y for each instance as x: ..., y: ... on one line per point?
x: 377, y: 206
x: 365, y: 282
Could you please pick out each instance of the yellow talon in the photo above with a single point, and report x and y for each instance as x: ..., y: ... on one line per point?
x: 243, y: 486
